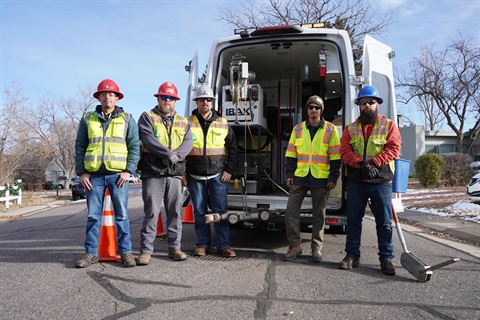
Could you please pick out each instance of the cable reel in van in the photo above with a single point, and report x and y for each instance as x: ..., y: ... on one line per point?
x: 239, y: 78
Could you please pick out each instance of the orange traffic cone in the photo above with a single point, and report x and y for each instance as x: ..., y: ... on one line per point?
x: 188, y: 213
x: 160, y: 232
x: 107, y: 246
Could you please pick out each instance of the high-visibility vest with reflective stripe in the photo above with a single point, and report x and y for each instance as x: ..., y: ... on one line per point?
x: 376, y: 142
x: 177, y: 134
x: 314, y: 155
x: 214, y: 143
x: 108, y: 147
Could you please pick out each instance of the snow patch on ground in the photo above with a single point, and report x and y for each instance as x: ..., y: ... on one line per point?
x: 463, y: 209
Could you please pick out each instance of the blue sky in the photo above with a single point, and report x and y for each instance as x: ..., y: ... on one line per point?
x: 52, y: 47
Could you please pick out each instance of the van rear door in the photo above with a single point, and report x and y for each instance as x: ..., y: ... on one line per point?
x: 192, y: 69
x: 378, y: 72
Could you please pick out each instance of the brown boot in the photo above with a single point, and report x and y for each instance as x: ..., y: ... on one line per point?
x: 292, y: 253
x: 349, y: 262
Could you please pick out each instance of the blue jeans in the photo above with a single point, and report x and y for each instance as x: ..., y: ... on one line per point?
x: 380, y: 196
x: 211, y: 193
x: 95, y: 198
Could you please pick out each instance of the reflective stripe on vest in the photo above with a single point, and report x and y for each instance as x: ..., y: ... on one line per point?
x: 214, y: 143
x: 176, y: 136
x: 376, y: 142
x: 314, y: 155
x: 108, y: 147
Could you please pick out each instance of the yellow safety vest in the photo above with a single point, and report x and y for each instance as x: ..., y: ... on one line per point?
x: 376, y: 142
x: 214, y: 143
x: 314, y: 155
x: 177, y: 134
x: 108, y: 147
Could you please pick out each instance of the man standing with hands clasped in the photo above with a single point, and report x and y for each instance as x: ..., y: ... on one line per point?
x: 166, y: 140
x: 312, y: 164
x: 369, y: 147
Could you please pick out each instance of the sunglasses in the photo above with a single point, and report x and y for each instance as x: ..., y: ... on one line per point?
x: 167, y: 98
x: 314, y: 107
x: 369, y: 102
x: 205, y: 99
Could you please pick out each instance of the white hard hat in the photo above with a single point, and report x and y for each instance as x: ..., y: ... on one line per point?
x: 204, y: 91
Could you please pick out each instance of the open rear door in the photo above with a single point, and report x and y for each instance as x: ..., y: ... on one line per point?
x: 378, y: 72
x: 192, y: 69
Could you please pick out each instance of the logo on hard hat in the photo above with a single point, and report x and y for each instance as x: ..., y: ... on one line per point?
x: 106, y: 86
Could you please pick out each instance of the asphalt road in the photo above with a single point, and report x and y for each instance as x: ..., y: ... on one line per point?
x: 39, y: 280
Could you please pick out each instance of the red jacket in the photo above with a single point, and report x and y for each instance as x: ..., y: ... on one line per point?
x: 389, y: 153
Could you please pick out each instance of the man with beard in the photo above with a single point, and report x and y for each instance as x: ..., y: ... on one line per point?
x: 210, y: 165
x: 166, y: 140
x: 369, y: 147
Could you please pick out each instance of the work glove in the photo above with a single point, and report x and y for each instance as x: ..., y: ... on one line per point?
x: 174, y: 158
x: 369, y: 170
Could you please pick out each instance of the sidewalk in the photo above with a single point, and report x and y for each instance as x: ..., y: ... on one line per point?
x: 460, y: 229
x: 463, y: 230
x: 26, y: 211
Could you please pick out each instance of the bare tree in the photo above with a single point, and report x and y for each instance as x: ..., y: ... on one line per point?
x: 30, y: 140
x: 15, y: 101
x: 23, y: 154
x: 450, y: 78
x: 56, y: 124
x: 433, y: 117
x: 357, y: 17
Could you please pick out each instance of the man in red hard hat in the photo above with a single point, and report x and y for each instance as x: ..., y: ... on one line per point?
x: 107, y: 150
x: 166, y: 140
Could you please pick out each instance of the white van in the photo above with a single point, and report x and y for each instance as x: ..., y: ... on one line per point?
x: 262, y: 79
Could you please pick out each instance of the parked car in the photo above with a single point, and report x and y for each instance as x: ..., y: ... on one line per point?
x: 74, y: 181
x: 473, y: 188
x: 52, y: 185
x: 78, y: 191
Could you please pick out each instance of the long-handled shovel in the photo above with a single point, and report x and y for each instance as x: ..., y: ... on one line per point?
x: 412, y: 263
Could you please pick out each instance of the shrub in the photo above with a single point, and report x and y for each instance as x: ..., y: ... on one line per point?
x: 429, y: 168
x: 458, y: 171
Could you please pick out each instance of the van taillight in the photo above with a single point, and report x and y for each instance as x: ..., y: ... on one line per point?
x: 332, y: 221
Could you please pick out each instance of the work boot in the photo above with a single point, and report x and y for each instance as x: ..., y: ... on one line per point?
x: 128, y: 260
x: 292, y: 253
x: 387, y: 267
x: 85, y: 260
x: 144, y: 259
x: 200, y: 251
x: 349, y: 262
x: 177, y: 255
x: 316, y: 256
x: 228, y: 253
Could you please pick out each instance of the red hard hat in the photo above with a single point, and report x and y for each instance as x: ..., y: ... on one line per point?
x: 108, y: 85
x: 167, y: 89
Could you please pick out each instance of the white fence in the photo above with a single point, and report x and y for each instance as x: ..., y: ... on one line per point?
x: 6, y: 197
